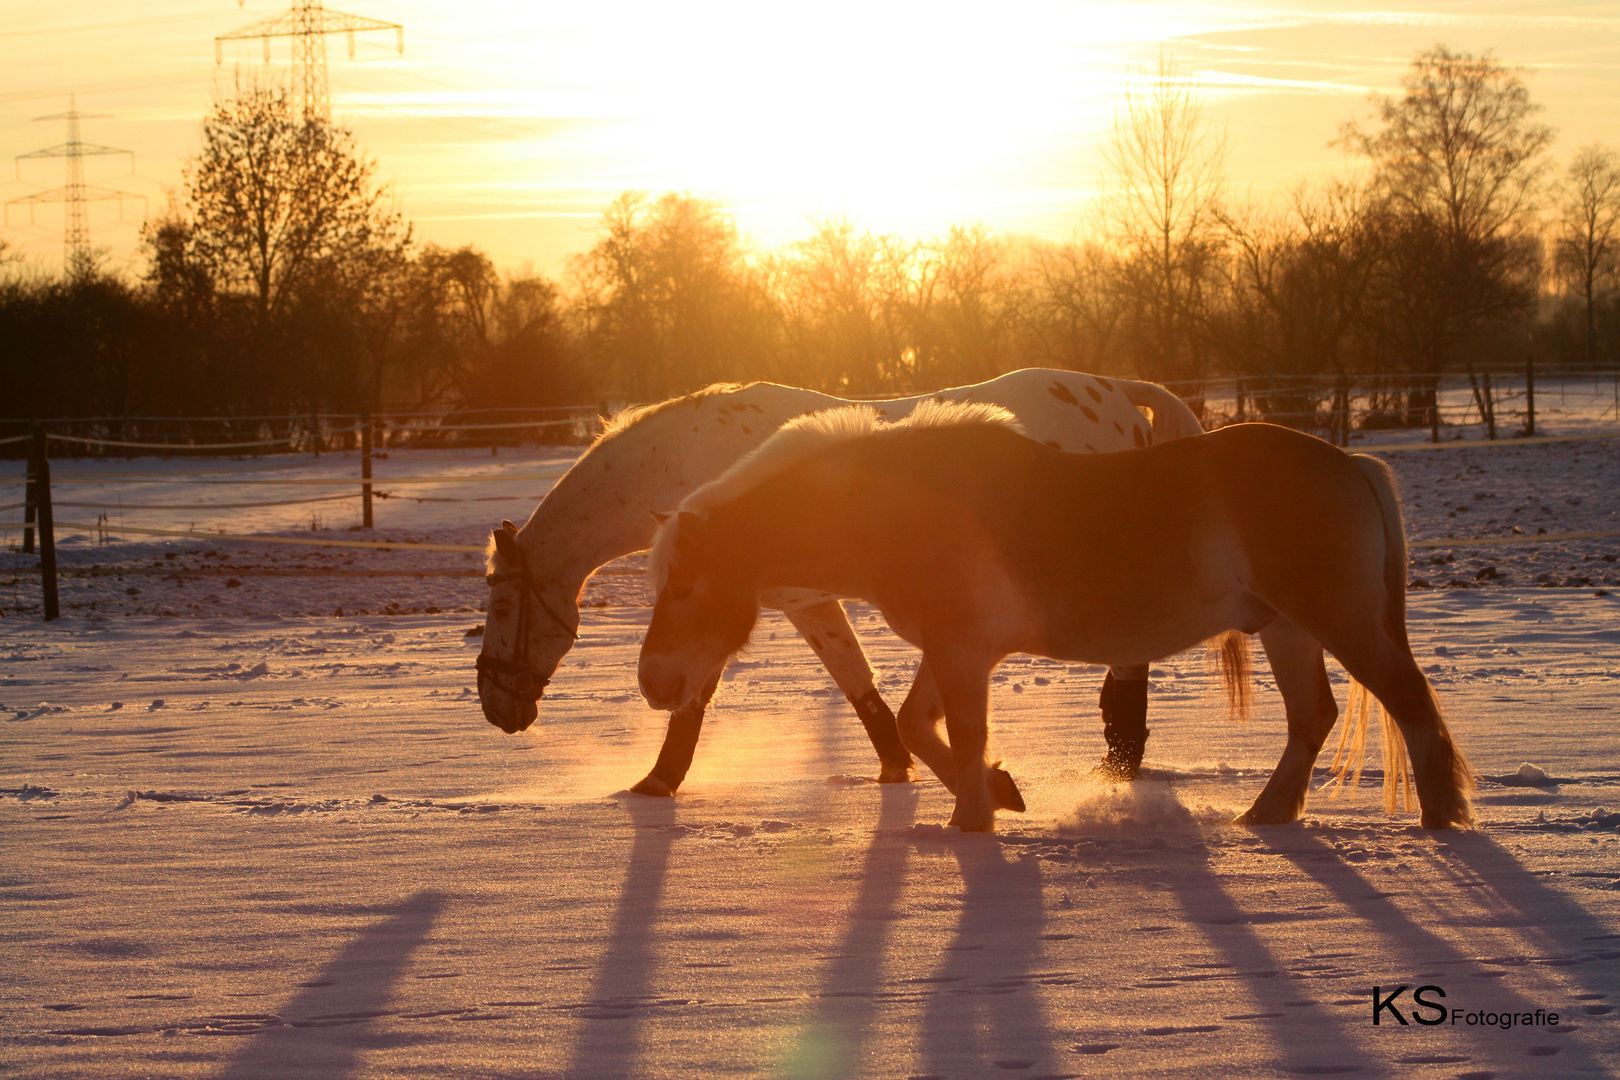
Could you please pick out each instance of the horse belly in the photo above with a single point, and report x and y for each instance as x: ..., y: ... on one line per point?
x: 1124, y: 640
x: 1131, y: 610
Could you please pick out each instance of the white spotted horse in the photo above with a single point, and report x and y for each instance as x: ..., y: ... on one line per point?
x: 976, y: 542
x: 649, y: 458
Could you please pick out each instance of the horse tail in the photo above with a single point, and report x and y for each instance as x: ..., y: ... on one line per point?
x: 1398, y: 784
x: 1352, y: 750
x: 1231, y: 649
x: 1171, y: 417
x: 1381, y: 478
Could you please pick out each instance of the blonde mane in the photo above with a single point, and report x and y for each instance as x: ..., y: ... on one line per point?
x: 805, y: 435
x: 631, y: 415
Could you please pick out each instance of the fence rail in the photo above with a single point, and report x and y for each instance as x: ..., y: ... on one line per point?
x: 1332, y: 407
x: 324, y: 433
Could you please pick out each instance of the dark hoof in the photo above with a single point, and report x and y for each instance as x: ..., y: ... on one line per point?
x: 1004, y: 794
x: 1254, y: 815
x: 651, y: 785
x: 1114, y: 770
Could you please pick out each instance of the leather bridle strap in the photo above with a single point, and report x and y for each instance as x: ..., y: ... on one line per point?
x: 526, y: 681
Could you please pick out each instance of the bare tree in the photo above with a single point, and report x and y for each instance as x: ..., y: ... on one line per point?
x: 272, y: 196
x: 1458, y: 147
x: 978, y: 308
x: 1296, y: 282
x: 666, y: 295
x: 829, y: 294
x: 1073, y: 313
x: 1456, y: 160
x: 1168, y: 172
x: 1586, y: 245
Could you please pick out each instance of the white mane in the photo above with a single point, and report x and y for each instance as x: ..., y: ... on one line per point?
x: 803, y: 436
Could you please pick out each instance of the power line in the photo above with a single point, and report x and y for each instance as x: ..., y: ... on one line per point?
x: 308, y: 23
x: 78, y: 257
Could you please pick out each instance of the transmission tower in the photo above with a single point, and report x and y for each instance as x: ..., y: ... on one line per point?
x: 308, y: 24
x: 78, y: 258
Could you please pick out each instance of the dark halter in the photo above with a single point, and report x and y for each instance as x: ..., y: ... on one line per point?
x: 526, y: 682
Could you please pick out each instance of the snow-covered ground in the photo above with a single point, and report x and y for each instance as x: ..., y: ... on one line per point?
x: 271, y: 842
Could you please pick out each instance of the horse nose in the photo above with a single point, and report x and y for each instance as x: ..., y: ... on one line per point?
x: 667, y: 692
x: 513, y: 720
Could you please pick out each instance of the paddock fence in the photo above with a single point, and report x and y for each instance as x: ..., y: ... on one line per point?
x: 1450, y: 412
x: 1490, y: 404
x: 314, y: 433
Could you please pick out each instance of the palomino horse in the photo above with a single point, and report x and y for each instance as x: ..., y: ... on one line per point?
x: 651, y: 458
x: 975, y: 542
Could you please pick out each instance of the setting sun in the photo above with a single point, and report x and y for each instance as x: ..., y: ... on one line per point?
x: 512, y: 126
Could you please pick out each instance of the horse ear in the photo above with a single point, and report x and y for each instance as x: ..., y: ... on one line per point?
x: 506, y: 544
x: 660, y: 517
x: 508, y: 526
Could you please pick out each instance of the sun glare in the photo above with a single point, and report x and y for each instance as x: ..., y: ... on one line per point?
x: 905, y: 117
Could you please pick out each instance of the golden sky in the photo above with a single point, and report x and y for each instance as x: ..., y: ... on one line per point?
x: 510, y: 125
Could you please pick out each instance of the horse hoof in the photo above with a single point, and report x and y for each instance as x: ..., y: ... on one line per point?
x: 1254, y: 815
x: 967, y: 824
x: 1438, y: 821
x: 651, y: 785
x: 895, y: 774
x: 1004, y: 793
x: 1113, y: 770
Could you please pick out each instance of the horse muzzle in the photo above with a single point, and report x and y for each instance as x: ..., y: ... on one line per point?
x: 507, y: 711
x: 664, y: 689
x: 512, y: 723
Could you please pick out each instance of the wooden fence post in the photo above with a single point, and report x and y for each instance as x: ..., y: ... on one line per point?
x: 47, y: 530
x: 30, y: 502
x: 1530, y: 395
x: 365, y: 468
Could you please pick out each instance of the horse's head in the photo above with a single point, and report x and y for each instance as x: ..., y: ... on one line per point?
x: 529, y: 627
x: 704, y: 613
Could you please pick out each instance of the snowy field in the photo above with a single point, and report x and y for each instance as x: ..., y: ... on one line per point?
x: 244, y: 836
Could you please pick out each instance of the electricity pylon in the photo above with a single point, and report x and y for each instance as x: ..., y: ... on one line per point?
x: 308, y: 24
x: 78, y: 258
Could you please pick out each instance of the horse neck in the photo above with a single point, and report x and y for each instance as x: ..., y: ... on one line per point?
x: 602, y: 508
x: 788, y: 534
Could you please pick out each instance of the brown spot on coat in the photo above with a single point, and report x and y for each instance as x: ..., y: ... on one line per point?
x: 1092, y: 390
x: 1054, y: 445
x: 1090, y: 415
x: 1062, y: 393
x: 1104, y: 383
x: 1136, y: 430
x: 1116, y: 428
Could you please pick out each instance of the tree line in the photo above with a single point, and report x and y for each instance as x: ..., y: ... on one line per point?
x: 282, y: 279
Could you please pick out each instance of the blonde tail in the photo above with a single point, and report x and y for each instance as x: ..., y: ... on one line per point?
x: 1352, y: 751
x: 1231, y: 651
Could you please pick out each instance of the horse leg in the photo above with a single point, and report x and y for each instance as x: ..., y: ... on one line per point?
x: 964, y: 689
x: 919, y: 720
x: 918, y: 724
x: 680, y: 742
x: 826, y: 627
x: 1296, y: 663
x: 1388, y: 670
x: 1124, y: 712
